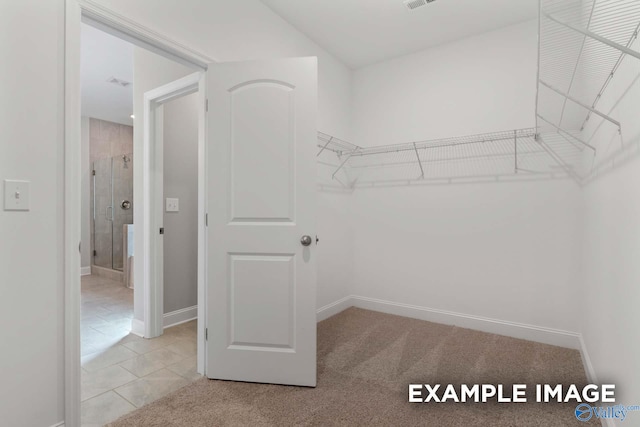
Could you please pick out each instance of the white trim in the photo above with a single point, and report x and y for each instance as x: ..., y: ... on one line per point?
x: 124, y: 28
x: 586, y: 361
x: 152, y: 210
x: 177, y: 317
x: 592, y: 378
x: 333, y: 308
x: 85, y: 271
x: 72, y: 208
x: 202, y: 227
x: 152, y: 254
x: 137, y: 327
x: 60, y: 424
x: 523, y: 331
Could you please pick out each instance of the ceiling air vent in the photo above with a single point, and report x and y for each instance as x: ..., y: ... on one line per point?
x: 118, y: 82
x: 415, y: 4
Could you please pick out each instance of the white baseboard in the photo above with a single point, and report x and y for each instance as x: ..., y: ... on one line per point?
x: 180, y: 316
x: 501, y: 327
x: 586, y: 362
x: 60, y: 424
x: 85, y: 271
x: 592, y: 378
x: 137, y: 327
x: 333, y: 308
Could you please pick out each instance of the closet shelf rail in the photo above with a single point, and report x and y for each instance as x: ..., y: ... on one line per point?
x: 513, y: 153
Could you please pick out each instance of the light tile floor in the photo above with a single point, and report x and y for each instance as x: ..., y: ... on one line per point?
x: 121, y: 371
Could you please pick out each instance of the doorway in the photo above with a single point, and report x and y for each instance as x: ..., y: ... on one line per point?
x: 116, y: 363
x: 262, y: 159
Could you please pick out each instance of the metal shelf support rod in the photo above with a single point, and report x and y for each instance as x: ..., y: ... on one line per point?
x: 559, y: 92
x: 515, y: 150
x: 325, y: 146
x: 419, y: 161
x: 341, y: 165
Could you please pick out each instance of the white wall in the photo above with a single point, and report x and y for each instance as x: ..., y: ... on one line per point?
x: 181, y: 182
x: 85, y: 199
x: 427, y: 95
x: 244, y: 30
x: 31, y: 243
x: 335, y: 247
x: 506, y: 251
x: 611, y: 246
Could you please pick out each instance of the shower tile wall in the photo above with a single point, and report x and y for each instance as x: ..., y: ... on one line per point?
x: 122, y: 190
x: 110, y: 140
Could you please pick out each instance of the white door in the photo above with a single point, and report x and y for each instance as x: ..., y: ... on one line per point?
x: 261, y: 293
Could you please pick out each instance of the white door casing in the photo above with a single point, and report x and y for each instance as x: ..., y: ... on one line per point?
x: 261, y: 200
x: 151, y: 257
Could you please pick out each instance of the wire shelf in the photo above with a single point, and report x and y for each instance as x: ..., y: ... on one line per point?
x: 582, y: 45
x: 515, y: 154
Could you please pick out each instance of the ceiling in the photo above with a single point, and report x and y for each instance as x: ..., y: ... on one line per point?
x: 103, y: 57
x: 363, y: 32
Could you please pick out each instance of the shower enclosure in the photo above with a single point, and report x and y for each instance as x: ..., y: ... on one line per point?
x: 112, y: 208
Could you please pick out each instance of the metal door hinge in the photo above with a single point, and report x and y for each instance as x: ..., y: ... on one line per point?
x: 206, y: 107
x: 206, y: 334
x: 161, y: 230
x: 93, y: 172
x: 206, y: 220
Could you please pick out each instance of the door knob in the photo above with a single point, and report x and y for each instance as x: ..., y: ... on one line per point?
x: 305, y: 240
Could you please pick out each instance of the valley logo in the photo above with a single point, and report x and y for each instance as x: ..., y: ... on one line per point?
x: 584, y: 412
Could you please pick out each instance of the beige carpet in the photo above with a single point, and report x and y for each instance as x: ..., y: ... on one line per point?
x: 365, y: 362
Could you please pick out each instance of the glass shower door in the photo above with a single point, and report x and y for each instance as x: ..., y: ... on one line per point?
x: 102, y: 214
x: 112, y: 209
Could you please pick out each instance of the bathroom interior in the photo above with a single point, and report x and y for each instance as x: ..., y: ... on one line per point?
x: 107, y: 157
x: 111, y: 200
x: 107, y: 202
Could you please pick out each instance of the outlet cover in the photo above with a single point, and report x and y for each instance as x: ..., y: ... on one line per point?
x: 172, y: 205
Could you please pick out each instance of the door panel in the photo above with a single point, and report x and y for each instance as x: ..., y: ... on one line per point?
x: 275, y: 274
x: 261, y: 113
x: 261, y: 201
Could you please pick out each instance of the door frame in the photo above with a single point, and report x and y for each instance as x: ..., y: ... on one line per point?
x: 152, y: 197
x: 87, y: 11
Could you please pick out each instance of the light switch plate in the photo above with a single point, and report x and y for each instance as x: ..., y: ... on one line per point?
x: 172, y: 205
x: 16, y: 195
